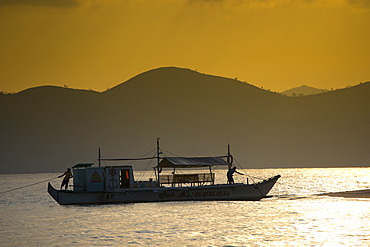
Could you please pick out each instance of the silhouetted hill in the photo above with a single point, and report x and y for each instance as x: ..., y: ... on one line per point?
x: 47, y: 129
x: 303, y: 90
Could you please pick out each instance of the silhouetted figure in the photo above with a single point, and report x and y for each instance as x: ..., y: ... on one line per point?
x: 67, y: 175
x: 230, y: 173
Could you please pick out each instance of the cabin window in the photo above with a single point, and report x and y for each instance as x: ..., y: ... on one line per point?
x: 125, y: 178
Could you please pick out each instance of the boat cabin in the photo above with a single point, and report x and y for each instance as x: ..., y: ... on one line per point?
x: 107, y: 178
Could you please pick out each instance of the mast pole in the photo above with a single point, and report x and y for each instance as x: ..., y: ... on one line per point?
x: 229, y: 156
x: 158, y: 158
x: 99, y: 156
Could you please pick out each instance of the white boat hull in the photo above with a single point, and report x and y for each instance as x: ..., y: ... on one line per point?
x: 224, y: 192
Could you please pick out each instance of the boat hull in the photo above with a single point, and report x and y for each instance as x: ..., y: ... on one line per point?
x: 224, y: 192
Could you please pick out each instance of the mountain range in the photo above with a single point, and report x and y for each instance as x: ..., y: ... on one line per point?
x: 303, y: 90
x: 48, y: 128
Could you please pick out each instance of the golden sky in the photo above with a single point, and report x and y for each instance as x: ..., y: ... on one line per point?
x: 97, y: 44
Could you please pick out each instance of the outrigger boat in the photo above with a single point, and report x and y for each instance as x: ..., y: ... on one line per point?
x: 116, y: 184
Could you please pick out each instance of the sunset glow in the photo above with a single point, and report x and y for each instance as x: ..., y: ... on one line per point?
x: 274, y: 44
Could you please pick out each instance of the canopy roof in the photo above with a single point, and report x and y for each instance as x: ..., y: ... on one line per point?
x: 83, y: 165
x: 193, y: 162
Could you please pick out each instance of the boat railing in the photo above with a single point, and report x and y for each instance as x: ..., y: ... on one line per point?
x: 145, y: 184
x: 192, y: 179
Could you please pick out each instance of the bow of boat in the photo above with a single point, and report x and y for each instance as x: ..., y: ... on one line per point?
x: 53, y: 192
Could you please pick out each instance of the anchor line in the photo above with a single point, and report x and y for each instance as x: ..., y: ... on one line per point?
x: 28, y: 185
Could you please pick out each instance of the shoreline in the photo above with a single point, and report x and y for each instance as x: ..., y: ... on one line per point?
x: 350, y: 194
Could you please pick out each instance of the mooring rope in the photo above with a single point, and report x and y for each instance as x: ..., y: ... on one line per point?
x: 3, y: 192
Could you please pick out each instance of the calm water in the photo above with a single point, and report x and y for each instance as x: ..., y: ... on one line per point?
x: 295, y: 216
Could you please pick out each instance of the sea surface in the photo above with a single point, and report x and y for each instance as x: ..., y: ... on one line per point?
x: 294, y: 216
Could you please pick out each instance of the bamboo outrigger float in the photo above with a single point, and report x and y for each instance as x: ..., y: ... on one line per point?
x: 116, y: 184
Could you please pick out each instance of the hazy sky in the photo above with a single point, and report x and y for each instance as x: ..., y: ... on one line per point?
x: 97, y: 44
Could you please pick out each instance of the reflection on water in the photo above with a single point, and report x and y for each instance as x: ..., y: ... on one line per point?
x: 295, y: 216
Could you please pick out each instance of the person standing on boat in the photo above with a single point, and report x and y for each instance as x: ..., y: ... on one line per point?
x: 230, y: 173
x: 67, y: 175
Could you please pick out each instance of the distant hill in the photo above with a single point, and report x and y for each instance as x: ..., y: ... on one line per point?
x: 303, y: 90
x: 47, y: 129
